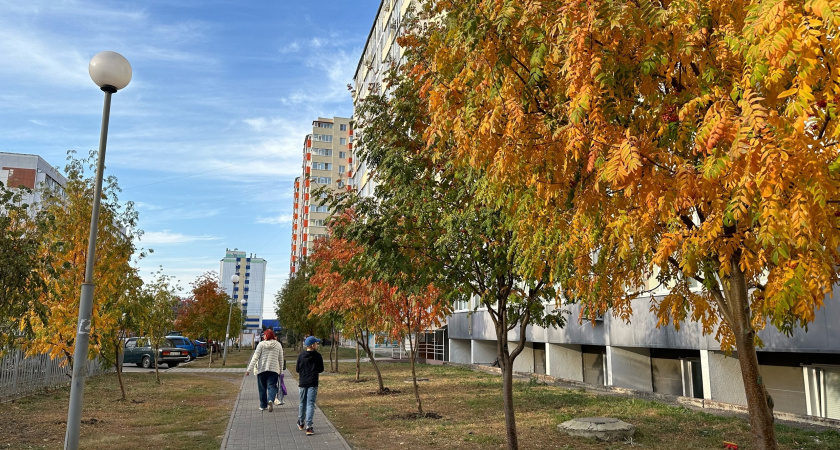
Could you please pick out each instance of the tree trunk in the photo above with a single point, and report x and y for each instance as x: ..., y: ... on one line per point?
x: 759, y: 402
x: 506, y: 365
x: 375, y: 366
x: 119, y: 372
x: 413, y: 357
x: 507, y: 394
x: 157, y: 373
x: 333, y: 356
x: 358, y: 363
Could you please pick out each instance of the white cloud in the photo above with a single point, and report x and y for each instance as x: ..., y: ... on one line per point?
x: 292, y: 47
x: 276, y: 220
x: 167, y: 237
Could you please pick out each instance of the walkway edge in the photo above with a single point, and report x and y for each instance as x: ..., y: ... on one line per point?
x: 232, y: 414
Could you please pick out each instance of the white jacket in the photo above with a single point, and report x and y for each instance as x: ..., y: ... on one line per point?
x: 267, y: 357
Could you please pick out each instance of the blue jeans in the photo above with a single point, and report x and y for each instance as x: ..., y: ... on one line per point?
x: 267, y: 381
x: 306, y: 407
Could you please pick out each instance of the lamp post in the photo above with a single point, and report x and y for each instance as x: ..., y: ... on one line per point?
x: 111, y: 72
x: 234, y: 279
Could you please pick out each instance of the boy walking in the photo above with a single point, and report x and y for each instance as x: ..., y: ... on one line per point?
x: 309, y: 365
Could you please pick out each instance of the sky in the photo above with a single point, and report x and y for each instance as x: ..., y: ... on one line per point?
x: 207, y: 138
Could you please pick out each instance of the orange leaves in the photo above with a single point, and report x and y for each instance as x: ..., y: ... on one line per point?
x: 623, y: 163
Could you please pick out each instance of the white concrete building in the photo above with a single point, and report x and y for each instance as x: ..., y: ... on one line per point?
x: 30, y: 171
x: 801, y: 372
x: 250, y: 290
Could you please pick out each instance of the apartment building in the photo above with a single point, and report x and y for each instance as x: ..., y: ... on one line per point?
x: 250, y: 290
x: 327, y: 161
x: 31, y: 171
x: 801, y: 372
x: 381, y: 50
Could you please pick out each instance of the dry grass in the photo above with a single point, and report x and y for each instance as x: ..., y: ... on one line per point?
x: 472, y: 417
x: 187, y: 410
x: 191, y: 410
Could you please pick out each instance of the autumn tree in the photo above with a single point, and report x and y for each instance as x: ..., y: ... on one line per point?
x: 412, y: 314
x: 678, y: 141
x: 115, y: 246
x: 23, y: 231
x: 292, y: 306
x: 342, y: 290
x: 156, y: 320
x: 122, y: 312
x: 206, y: 311
x: 428, y: 224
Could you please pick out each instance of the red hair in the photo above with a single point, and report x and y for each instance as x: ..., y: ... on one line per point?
x: 269, y: 335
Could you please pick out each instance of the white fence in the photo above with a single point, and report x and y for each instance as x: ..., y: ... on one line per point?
x: 21, y: 376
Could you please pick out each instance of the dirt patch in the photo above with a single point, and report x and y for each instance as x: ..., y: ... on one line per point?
x: 386, y: 391
x: 416, y: 415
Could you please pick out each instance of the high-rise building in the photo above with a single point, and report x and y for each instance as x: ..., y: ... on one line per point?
x: 31, y: 171
x: 327, y: 161
x: 381, y: 50
x: 248, y: 292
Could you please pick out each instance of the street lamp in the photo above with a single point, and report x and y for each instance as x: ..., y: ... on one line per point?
x: 111, y: 72
x: 234, y: 279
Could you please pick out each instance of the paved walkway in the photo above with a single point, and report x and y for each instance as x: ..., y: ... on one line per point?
x: 252, y: 429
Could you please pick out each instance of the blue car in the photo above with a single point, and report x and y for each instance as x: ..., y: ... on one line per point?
x: 186, y: 344
x: 201, y: 346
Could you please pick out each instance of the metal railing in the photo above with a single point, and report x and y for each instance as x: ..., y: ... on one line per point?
x: 431, y: 350
x: 390, y: 351
x: 21, y: 375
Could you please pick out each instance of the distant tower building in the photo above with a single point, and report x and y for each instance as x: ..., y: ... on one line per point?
x: 327, y: 161
x: 249, y: 291
x: 381, y: 50
x: 31, y: 171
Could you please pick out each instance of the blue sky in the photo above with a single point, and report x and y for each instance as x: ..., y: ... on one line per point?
x: 207, y: 137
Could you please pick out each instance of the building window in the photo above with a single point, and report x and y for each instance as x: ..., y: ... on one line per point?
x: 322, y: 209
x: 322, y: 166
x: 343, y: 127
x: 322, y: 151
x: 323, y: 124
x: 322, y: 137
x: 342, y: 155
x: 342, y: 141
x: 318, y: 222
x: 341, y: 169
x: 323, y: 180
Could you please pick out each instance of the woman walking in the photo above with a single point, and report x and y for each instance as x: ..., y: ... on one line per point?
x: 268, y: 359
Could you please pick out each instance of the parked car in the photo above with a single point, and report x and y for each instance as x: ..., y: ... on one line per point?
x: 201, y: 346
x: 138, y: 350
x: 185, y: 343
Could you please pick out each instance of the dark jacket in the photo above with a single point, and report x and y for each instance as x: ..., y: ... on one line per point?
x: 309, y: 365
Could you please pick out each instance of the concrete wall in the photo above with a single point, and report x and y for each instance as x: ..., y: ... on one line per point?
x: 642, y: 332
x: 525, y: 361
x: 629, y: 368
x: 483, y: 352
x: 724, y: 379
x: 460, y: 351
x: 564, y: 361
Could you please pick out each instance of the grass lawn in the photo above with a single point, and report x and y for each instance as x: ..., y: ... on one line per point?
x: 191, y: 411
x: 471, y: 416
x: 185, y: 411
